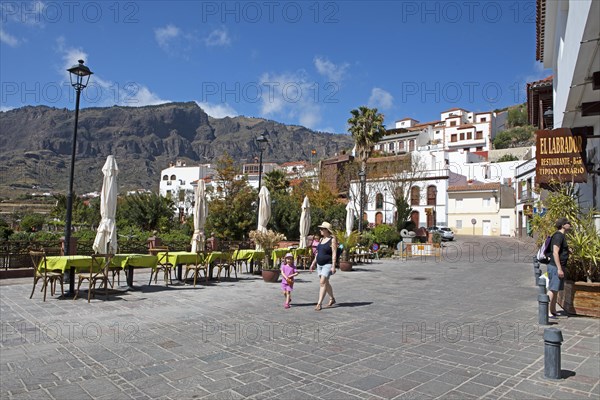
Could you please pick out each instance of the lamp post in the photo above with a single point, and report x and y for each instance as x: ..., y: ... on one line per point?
x: 435, y: 205
x: 262, y: 144
x: 548, y: 118
x: 385, y: 205
x: 80, y: 76
x: 361, y: 201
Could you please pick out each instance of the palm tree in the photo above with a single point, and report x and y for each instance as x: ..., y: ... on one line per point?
x: 276, y: 181
x: 366, y: 127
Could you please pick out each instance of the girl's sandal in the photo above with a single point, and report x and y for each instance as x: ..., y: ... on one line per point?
x: 318, y: 307
x: 331, y: 302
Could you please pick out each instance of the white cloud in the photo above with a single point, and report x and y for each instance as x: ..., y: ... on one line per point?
x: 292, y: 96
x: 164, y: 36
x: 105, y: 93
x: 8, y: 39
x: 6, y: 108
x: 381, y: 99
x: 330, y: 70
x: 218, y: 110
x: 218, y: 37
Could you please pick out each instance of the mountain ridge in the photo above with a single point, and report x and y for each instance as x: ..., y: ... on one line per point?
x: 36, y: 144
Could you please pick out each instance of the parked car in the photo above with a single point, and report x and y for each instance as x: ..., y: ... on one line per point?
x: 445, y: 233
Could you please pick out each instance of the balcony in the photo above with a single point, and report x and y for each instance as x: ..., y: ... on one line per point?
x: 526, y: 195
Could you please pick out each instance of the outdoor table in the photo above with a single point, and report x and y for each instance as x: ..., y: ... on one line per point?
x: 299, y: 253
x: 278, y: 254
x: 131, y: 261
x: 68, y: 263
x: 248, y: 255
x: 65, y: 263
x: 212, y: 257
x: 178, y: 258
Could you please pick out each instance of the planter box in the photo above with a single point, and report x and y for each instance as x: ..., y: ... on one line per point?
x: 580, y: 298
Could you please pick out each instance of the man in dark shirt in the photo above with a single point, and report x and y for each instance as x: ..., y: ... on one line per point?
x: 558, y: 262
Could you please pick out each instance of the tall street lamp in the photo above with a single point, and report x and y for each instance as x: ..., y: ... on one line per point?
x: 262, y: 145
x: 361, y: 201
x: 435, y: 206
x: 80, y: 76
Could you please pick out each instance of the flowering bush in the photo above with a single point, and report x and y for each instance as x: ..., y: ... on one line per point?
x: 268, y: 241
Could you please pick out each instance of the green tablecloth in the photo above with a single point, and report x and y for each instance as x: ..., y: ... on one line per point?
x: 302, y: 252
x: 182, y: 257
x: 216, y: 256
x: 278, y: 254
x: 64, y: 263
x: 134, y: 260
x: 248, y: 255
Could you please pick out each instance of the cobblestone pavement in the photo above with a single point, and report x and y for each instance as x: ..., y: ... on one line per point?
x: 460, y: 328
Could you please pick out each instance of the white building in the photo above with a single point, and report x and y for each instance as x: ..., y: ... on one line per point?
x: 251, y: 171
x: 526, y: 197
x: 178, y: 182
x: 427, y: 187
x: 457, y: 129
x: 486, y: 209
x: 567, y: 42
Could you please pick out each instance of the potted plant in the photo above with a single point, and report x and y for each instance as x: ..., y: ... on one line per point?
x: 268, y: 240
x: 346, y: 243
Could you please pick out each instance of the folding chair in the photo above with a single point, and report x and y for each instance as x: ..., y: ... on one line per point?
x: 198, y: 266
x: 98, y: 272
x: 162, y: 265
x: 38, y: 258
x: 226, y: 263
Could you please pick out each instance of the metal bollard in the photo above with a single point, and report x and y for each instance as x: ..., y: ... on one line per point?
x: 541, y: 285
x: 536, y: 269
x: 543, y: 301
x: 552, y: 342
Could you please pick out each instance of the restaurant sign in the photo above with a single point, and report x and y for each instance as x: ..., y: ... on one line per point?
x: 560, y: 156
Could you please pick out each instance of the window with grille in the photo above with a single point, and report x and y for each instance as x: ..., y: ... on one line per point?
x: 379, y: 201
x: 431, y: 195
x: 415, y: 196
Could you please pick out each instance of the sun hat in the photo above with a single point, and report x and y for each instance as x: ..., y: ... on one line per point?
x: 326, y: 225
x: 289, y: 255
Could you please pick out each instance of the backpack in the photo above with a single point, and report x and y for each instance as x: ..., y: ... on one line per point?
x: 542, y: 255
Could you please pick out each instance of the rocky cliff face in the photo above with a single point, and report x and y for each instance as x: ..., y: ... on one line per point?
x: 35, y: 144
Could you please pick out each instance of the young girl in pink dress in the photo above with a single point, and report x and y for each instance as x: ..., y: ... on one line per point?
x: 288, y: 272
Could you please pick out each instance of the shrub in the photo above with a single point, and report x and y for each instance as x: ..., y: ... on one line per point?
x: 386, y: 234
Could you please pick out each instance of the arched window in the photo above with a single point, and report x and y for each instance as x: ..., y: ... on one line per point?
x: 415, y: 196
x: 379, y: 201
x: 166, y: 178
x: 173, y: 177
x: 431, y: 195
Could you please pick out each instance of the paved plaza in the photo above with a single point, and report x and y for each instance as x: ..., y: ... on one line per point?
x: 464, y: 327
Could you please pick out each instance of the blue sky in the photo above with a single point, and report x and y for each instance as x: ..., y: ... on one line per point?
x: 305, y: 62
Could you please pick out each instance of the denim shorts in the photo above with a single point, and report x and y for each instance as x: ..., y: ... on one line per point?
x: 554, y: 282
x: 324, y: 270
